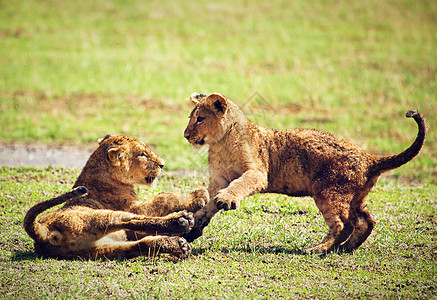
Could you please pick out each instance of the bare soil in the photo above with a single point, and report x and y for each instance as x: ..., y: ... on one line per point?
x: 41, y: 155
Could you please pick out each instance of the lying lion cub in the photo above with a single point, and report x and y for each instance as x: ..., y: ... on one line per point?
x: 245, y: 159
x: 110, y: 221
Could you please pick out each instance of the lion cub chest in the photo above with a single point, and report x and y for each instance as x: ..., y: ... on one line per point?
x: 226, y: 165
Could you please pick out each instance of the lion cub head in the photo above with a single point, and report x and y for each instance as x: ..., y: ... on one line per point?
x: 210, y: 119
x: 126, y: 160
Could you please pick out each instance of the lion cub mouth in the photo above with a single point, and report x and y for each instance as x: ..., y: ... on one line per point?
x: 150, y: 179
x: 201, y: 142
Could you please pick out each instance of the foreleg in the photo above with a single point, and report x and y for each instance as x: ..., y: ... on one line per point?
x: 251, y: 182
x: 168, y: 202
x: 150, y: 246
x: 178, y: 223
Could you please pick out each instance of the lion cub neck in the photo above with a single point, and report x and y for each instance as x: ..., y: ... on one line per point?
x: 106, y: 192
x: 103, y: 189
x: 234, y: 126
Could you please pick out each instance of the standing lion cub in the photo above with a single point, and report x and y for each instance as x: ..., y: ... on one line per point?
x: 245, y: 159
x: 103, y: 216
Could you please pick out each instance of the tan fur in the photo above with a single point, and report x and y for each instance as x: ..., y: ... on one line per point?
x: 245, y: 159
x: 110, y: 221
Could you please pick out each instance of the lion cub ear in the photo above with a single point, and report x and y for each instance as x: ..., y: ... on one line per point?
x: 104, y: 138
x: 217, y: 103
x: 194, y: 98
x: 115, y: 156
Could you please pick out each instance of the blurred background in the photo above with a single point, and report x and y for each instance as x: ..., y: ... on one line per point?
x: 73, y: 71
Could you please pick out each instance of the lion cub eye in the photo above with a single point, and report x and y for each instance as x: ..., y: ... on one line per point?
x: 143, y: 155
x: 200, y: 119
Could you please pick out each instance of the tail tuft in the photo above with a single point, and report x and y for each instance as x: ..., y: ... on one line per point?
x: 413, y: 114
x: 79, y: 191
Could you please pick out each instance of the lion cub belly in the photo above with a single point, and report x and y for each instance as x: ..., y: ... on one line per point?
x: 290, y: 184
x: 289, y: 177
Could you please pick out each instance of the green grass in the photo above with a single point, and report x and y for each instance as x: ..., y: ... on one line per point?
x: 73, y: 72
x: 251, y: 253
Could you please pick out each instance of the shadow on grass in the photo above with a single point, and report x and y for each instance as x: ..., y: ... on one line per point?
x: 25, y: 255
x: 19, y: 256
x: 267, y: 250
x: 30, y: 255
x: 259, y: 250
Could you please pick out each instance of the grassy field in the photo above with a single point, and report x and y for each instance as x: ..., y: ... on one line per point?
x: 73, y: 71
x: 250, y: 253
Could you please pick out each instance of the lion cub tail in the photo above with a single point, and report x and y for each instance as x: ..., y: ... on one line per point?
x: 392, y: 162
x: 29, y: 219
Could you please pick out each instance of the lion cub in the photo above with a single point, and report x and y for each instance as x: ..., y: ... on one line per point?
x: 245, y: 159
x: 110, y: 221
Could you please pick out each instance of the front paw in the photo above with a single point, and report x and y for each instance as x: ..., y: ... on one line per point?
x: 198, y: 199
x: 182, y: 222
x: 226, y: 201
x: 200, y: 221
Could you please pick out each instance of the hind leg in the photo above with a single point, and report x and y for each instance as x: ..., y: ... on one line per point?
x: 335, y: 210
x: 149, y: 246
x: 338, y: 233
x: 85, y: 225
x: 361, y: 219
x: 363, y: 225
x: 344, y: 234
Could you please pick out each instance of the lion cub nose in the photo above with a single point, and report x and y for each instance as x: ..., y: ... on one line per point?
x: 186, y: 135
x: 161, y: 163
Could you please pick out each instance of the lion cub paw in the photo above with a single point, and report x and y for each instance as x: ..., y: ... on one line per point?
x: 182, y: 222
x: 225, y: 201
x: 198, y: 199
x: 183, y: 248
x: 318, y: 250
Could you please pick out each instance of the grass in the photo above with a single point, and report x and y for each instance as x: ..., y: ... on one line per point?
x: 253, y: 252
x: 73, y: 71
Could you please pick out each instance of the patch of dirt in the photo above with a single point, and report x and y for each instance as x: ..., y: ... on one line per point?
x: 84, y: 100
x: 17, y: 33
x: 43, y: 155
